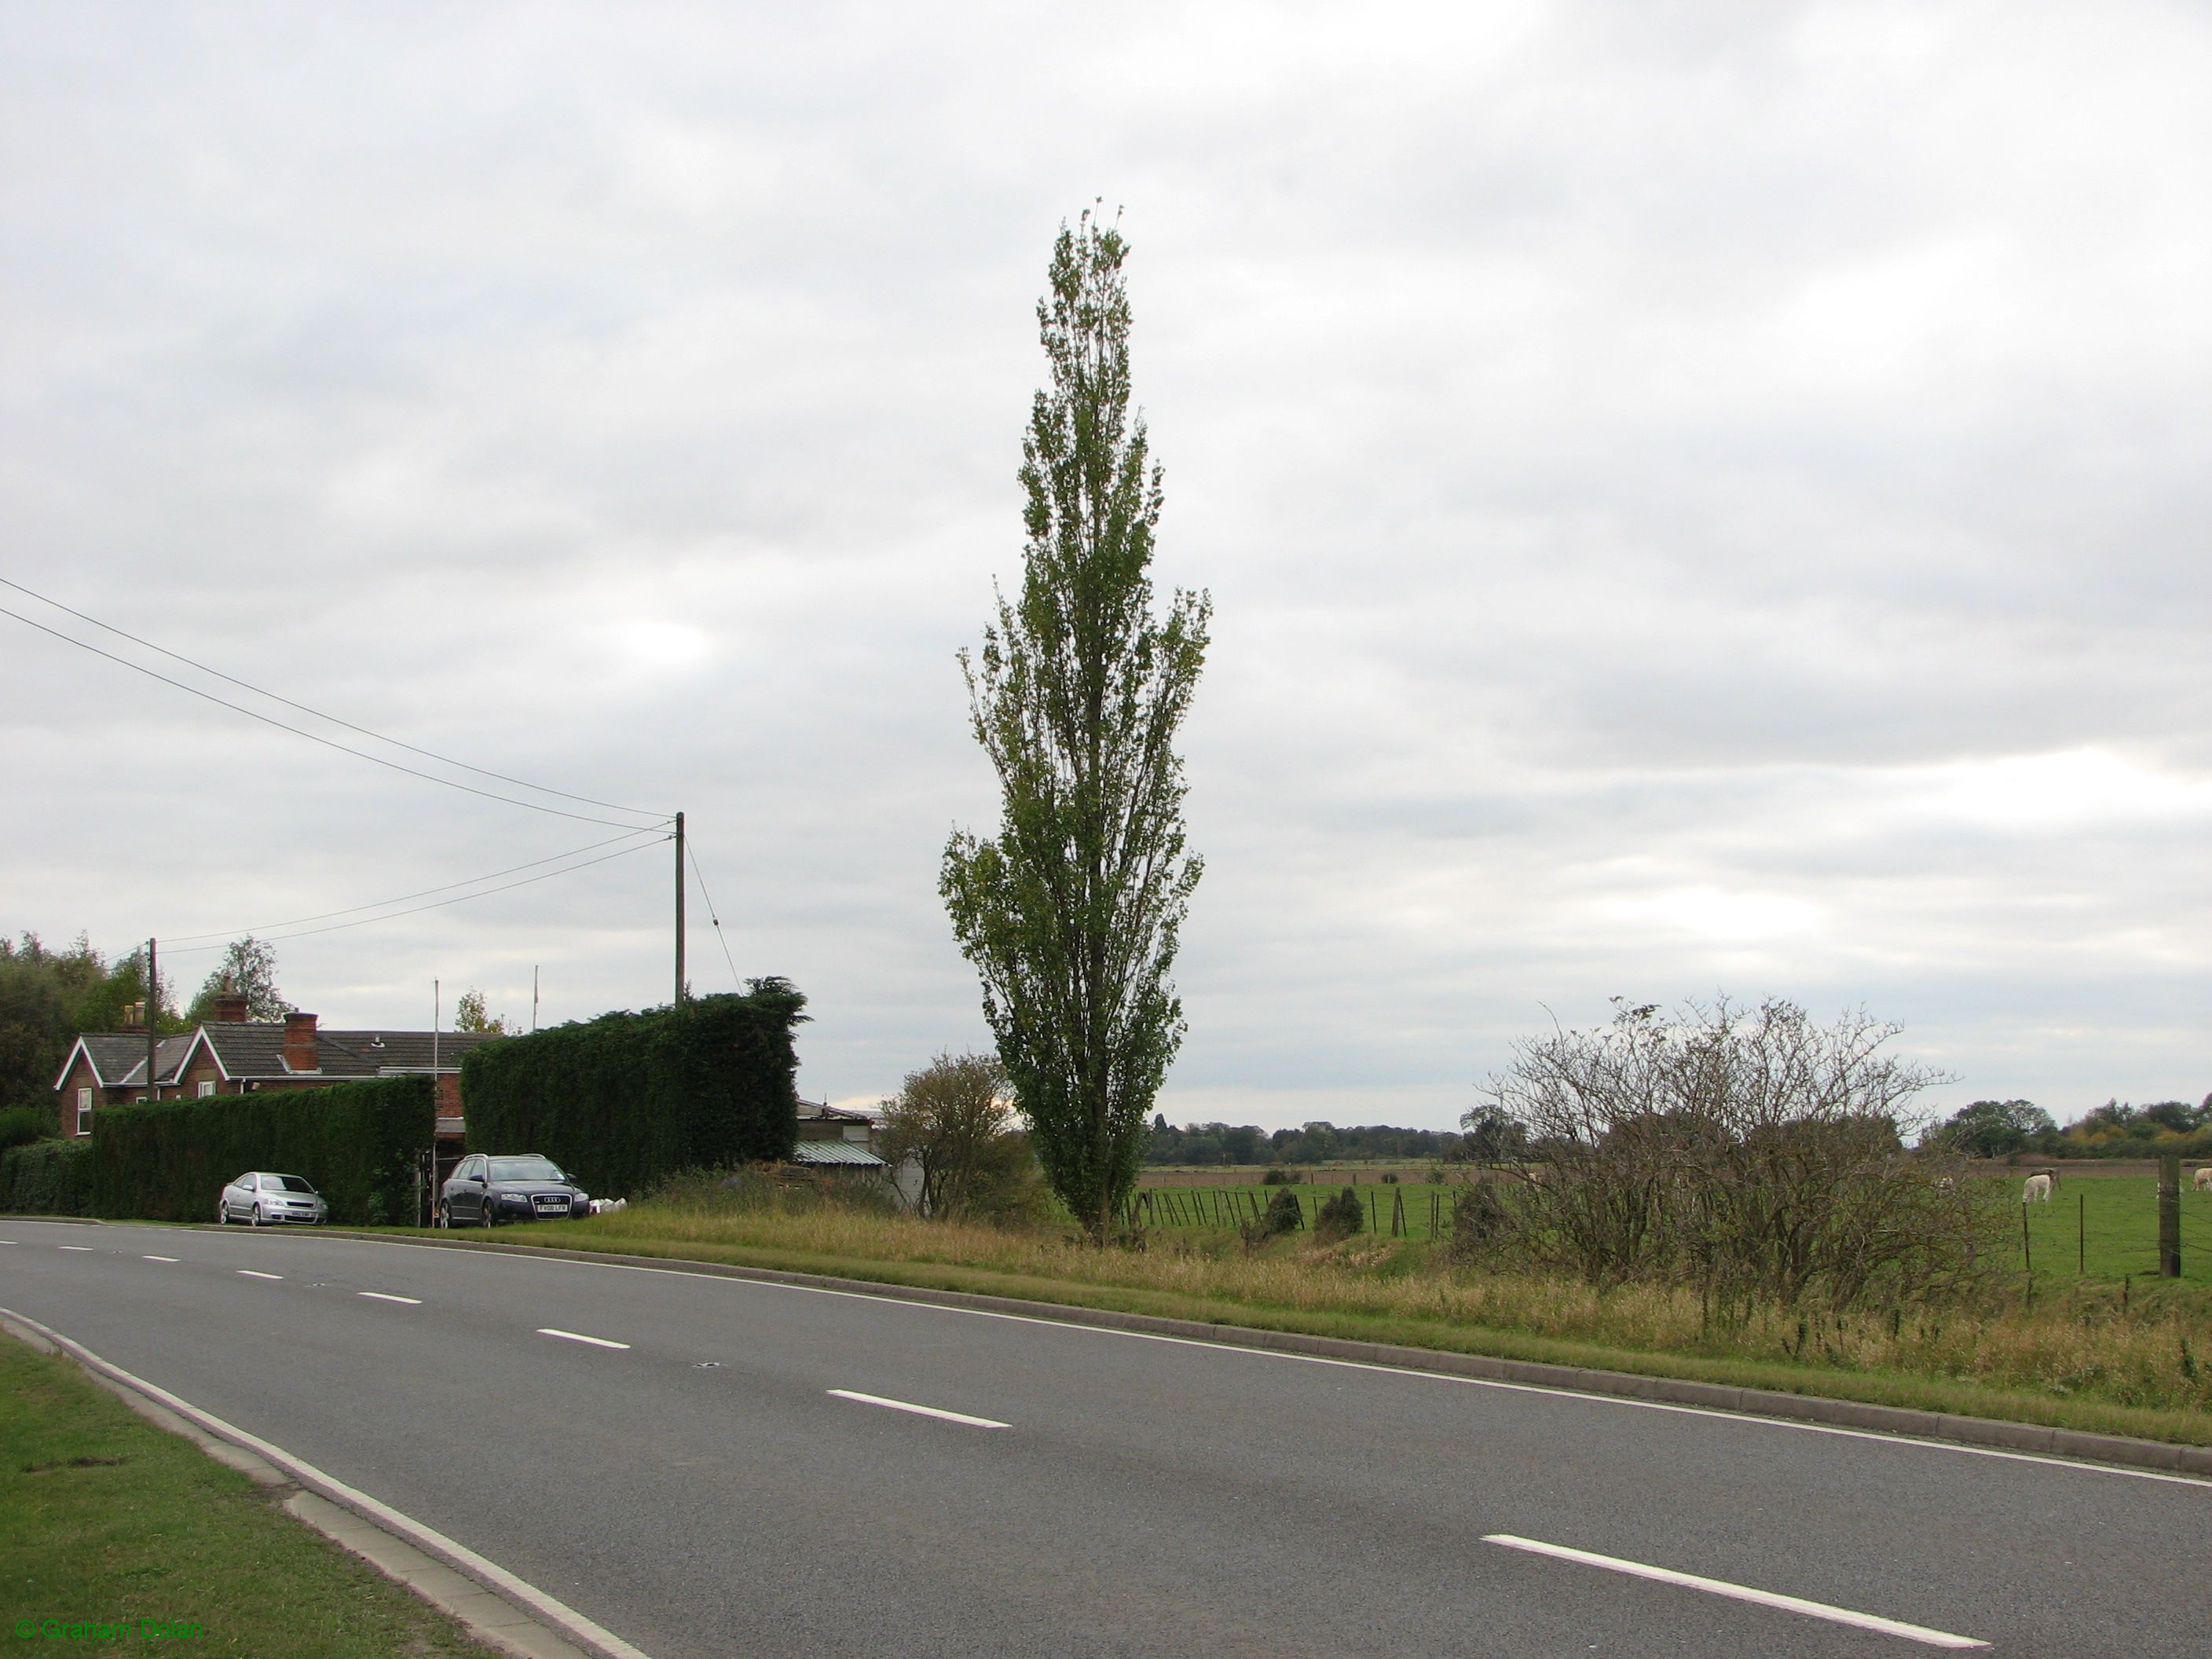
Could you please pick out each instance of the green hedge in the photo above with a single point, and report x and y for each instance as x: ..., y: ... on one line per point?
x: 626, y: 1100
x: 359, y: 1143
x: 46, y: 1177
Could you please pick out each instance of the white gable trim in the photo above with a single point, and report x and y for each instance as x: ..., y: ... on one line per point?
x: 199, y: 1041
x: 70, y: 1065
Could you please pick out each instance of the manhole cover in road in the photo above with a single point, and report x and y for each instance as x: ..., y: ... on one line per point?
x: 707, y: 1365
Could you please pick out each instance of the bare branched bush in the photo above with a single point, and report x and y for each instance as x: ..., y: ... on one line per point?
x: 1750, y: 1152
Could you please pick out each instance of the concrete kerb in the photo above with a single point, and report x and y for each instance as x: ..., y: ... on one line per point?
x: 451, y: 1579
x: 2123, y: 1451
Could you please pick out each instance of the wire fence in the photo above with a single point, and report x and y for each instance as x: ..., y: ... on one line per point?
x: 2103, y: 1228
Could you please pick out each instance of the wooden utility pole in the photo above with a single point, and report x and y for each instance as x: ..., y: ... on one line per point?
x: 153, y: 1021
x: 2169, y: 1218
x: 679, y: 910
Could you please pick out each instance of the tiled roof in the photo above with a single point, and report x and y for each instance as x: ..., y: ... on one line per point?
x: 255, y: 1049
x: 168, y: 1055
x: 406, y: 1050
x: 114, y: 1056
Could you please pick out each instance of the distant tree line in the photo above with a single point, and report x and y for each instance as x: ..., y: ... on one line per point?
x: 2004, y: 1128
x: 1319, y: 1142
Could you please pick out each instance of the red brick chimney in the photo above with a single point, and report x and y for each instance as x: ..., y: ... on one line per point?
x: 230, y: 1008
x: 300, y: 1052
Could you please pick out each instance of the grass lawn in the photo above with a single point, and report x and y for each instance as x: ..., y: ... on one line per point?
x: 106, y: 1520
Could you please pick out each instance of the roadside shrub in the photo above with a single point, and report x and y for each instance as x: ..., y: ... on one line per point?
x: 1749, y: 1152
x: 1391, y: 1178
x: 19, y: 1126
x: 361, y: 1144
x: 626, y: 1100
x: 1478, y: 1219
x: 1278, y: 1177
x: 1339, y: 1217
x: 46, y: 1177
x: 1281, y: 1215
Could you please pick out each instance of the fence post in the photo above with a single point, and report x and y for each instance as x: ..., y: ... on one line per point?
x: 2081, y: 1235
x: 2026, y: 1255
x: 2169, y: 1217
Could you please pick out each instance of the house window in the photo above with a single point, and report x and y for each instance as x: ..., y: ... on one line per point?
x: 84, y: 1111
x: 206, y: 1089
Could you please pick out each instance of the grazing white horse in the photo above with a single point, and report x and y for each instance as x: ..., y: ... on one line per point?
x: 2204, y: 1177
x: 2036, y: 1189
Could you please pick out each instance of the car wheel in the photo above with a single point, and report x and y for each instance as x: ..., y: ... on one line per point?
x: 490, y: 1214
x: 442, y: 1217
x: 221, y: 1214
x: 257, y: 1215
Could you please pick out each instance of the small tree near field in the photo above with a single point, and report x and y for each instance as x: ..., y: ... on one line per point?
x: 951, y: 1118
x: 1072, y: 912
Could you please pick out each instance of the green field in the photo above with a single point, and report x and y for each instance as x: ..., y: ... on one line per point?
x: 1223, y: 1207
x: 2108, y: 1225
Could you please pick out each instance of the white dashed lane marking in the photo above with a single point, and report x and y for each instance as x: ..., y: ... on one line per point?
x: 250, y: 1274
x: 77, y: 1247
x: 578, y: 1336
x: 1934, y: 1638
x: 158, y: 1258
x: 383, y: 1296
x: 920, y: 1410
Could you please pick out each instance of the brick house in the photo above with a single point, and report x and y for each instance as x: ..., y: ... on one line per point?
x: 231, y: 1054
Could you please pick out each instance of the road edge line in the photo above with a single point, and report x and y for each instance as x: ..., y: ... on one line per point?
x: 2076, y: 1448
x: 554, y: 1614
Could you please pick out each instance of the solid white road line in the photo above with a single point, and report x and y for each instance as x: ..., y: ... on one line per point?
x: 557, y: 1613
x: 381, y: 1295
x: 578, y: 1336
x: 1934, y: 1638
x: 250, y: 1274
x: 157, y: 1258
x: 920, y: 1410
x: 76, y: 1247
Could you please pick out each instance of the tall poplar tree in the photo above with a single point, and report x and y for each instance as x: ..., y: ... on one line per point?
x: 1070, y: 913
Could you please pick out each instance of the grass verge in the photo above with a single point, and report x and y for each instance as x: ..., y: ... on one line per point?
x: 106, y: 1520
x: 2084, y: 1362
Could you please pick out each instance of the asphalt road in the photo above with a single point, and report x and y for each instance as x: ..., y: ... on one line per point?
x: 705, y: 1489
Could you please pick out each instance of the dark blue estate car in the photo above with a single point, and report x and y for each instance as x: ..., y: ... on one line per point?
x: 485, y: 1190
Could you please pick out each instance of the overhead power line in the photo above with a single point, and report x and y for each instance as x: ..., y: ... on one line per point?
x: 188, y: 941
x: 690, y: 847
x: 445, y: 760
x: 311, y: 737
x: 463, y: 898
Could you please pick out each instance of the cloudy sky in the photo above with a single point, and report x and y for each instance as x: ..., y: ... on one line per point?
x: 1696, y: 498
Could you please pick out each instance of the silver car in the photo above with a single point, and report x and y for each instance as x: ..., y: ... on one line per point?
x: 261, y: 1200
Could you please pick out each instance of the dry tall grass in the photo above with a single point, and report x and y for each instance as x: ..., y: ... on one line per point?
x: 2154, y: 1354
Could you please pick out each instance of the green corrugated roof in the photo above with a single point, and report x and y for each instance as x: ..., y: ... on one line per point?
x: 835, y: 1151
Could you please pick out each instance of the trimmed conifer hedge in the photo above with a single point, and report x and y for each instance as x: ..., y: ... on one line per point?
x: 359, y: 1143
x: 623, y: 1102
x: 46, y: 1177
